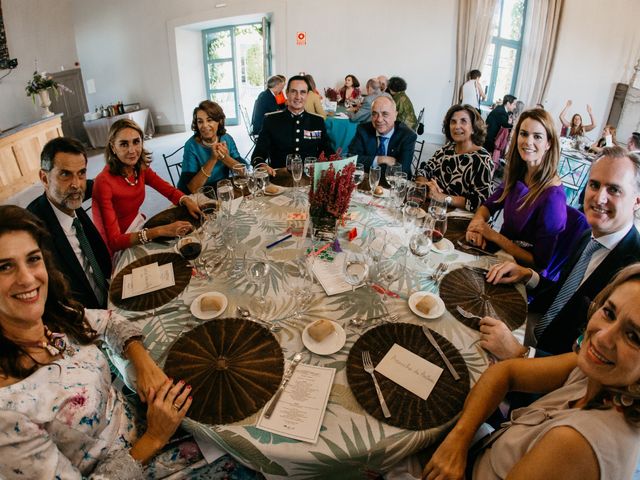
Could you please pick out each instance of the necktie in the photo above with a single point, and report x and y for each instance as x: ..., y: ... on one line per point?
x: 382, y: 146
x: 85, y: 246
x: 569, y: 287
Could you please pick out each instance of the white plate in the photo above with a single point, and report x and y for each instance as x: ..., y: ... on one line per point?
x: 416, y: 297
x: 443, y: 246
x: 280, y: 190
x: 331, y: 344
x: 198, y: 313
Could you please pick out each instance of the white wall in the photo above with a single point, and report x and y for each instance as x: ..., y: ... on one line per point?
x: 34, y: 31
x: 190, y: 70
x: 129, y: 48
x: 598, y: 45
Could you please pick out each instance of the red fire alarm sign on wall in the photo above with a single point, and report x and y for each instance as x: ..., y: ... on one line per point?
x: 301, y: 38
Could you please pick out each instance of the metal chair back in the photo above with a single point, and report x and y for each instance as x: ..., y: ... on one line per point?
x: 417, y: 153
x: 174, y: 167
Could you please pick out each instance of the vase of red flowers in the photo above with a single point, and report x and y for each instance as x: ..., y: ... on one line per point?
x: 329, y: 200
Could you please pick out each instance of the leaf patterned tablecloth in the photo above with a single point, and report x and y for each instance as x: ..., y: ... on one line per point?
x: 351, y: 441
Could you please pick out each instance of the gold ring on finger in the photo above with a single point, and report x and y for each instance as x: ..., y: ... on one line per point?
x: 175, y: 407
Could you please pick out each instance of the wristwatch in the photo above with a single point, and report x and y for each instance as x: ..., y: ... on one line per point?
x: 448, y: 200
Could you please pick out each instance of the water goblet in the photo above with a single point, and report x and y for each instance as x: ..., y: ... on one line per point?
x: 410, y: 213
x: 225, y: 195
x: 421, y: 240
x: 240, y: 178
x: 392, y: 173
x: 290, y: 159
x: 358, y: 174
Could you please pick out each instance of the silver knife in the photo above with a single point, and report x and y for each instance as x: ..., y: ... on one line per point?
x: 435, y: 345
x: 154, y: 313
x: 285, y: 379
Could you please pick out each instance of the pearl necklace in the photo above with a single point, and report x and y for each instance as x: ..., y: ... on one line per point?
x: 135, y: 179
x: 206, y: 143
x: 54, y: 343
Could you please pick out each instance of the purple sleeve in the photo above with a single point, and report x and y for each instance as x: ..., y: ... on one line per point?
x: 550, y: 222
x: 492, y: 201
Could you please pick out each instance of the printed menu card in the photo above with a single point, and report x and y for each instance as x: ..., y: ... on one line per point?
x: 300, y: 410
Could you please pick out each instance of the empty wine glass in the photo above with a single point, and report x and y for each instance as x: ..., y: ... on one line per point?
x: 296, y: 171
x: 240, y: 178
x: 309, y: 163
x: 356, y: 270
x: 374, y: 177
x: 256, y: 271
x: 392, y: 173
x: 262, y: 180
x: 358, y: 174
x: 410, y: 213
x: 421, y: 240
x: 225, y: 195
x: 290, y: 159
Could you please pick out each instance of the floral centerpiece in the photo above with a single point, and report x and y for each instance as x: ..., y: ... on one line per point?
x: 42, y: 82
x: 329, y: 200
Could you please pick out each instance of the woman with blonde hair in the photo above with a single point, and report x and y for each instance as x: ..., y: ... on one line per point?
x: 588, y: 424
x: 531, y: 196
x: 607, y: 139
x: 119, y: 191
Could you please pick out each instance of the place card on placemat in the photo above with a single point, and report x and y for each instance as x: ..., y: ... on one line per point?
x: 148, y: 278
x: 301, y: 408
x: 409, y: 370
x: 331, y: 275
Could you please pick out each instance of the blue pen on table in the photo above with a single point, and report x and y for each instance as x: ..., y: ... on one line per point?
x: 286, y: 237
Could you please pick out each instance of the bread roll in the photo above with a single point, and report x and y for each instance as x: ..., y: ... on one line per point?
x: 378, y: 190
x: 210, y: 304
x: 426, y: 304
x: 272, y: 188
x: 321, y: 329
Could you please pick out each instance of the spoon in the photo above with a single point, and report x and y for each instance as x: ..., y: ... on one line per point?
x: 246, y: 314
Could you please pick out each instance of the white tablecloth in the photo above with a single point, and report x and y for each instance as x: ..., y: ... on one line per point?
x: 98, y: 130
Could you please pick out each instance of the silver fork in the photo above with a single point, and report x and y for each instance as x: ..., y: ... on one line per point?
x: 467, y: 314
x: 368, y: 367
x: 443, y: 270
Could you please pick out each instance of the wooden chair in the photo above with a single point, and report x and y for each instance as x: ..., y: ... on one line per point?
x: 417, y: 153
x: 173, y: 166
x: 247, y: 126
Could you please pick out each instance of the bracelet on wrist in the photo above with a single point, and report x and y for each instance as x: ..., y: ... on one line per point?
x: 204, y: 172
x: 142, y: 236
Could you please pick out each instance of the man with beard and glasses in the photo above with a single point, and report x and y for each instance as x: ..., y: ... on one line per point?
x: 79, y: 251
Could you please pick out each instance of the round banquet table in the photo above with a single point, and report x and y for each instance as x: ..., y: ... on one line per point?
x: 351, y: 441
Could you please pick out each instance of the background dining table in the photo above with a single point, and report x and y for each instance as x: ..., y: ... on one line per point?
x: 351, y: 441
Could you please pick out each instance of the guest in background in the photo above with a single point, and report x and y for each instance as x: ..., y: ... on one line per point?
x: 406, y: 113
x: 384, y: 141
x: 531, y: 196
x: 362, y: 113
x: 576, y: 128
x: 266, y: 103
x: 472, y: 91
x: 281, y: 98
x: 633, y: 144
x: 350, y: 91
x: 210, y: 152
x: 291, y: 131
x: 607, y: 139
x: 119, y: 191
x: 499, y: 118
x: 78, y: 249
x: 586, y: 427
x: 460, y: 172
x: 384, y: 83
x: 314, y: 102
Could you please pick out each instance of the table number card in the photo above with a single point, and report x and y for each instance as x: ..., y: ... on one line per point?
x: 409, y: 370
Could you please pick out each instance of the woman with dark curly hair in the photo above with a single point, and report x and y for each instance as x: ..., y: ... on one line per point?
x: 119, y: 191
x: 588, y: 424
x: 406, y: 112
x: 60, y: 416
x: 211, y: 152
x: 460, y: 172
x: 350, y: 91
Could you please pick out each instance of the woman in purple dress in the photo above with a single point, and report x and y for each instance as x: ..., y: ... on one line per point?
x: 531, y: 196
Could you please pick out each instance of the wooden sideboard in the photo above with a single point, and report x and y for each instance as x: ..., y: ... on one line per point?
x: 20, y: 150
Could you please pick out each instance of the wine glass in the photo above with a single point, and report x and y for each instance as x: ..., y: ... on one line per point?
x: 240, y: 178
x: 392, y: 173
x: 438, y: 211
x: 206, y: 196
x: 374, y: 177
x: 390, y: 271
x: 421, y: 240
x: 252, y: 187
x: 410, y: 213
x: 189, y: 246
x: 376, y: 242
x: 290, y: 159
x: 225, y: 194
x: 296, y: 171
x: 256, y: 271
x: 358, y: 174
x: 417, y: 193
x: 262, y: 180
x: 309, y: 163
x: 356, y: 270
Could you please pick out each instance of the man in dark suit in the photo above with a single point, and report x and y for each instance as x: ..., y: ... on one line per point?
x: 266, y: 103
x: 611, y: 200
x: 384, y: 141
x: 499, y: 117
x: 79, y: 251
x: 291, y: 131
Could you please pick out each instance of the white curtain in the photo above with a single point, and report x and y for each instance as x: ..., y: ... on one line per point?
x: 475, y: 19
x: 538, y: 49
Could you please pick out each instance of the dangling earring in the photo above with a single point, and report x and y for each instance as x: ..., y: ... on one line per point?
x: 577, y: 344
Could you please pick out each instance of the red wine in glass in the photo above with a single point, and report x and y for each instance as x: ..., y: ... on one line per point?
x: 437, y: 236
x: 189, y: 248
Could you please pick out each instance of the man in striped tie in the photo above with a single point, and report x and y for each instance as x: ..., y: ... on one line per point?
x: 559, y: 310
x: 79, y: 251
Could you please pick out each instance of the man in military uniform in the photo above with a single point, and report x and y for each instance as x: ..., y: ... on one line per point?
x: 291, y: 131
